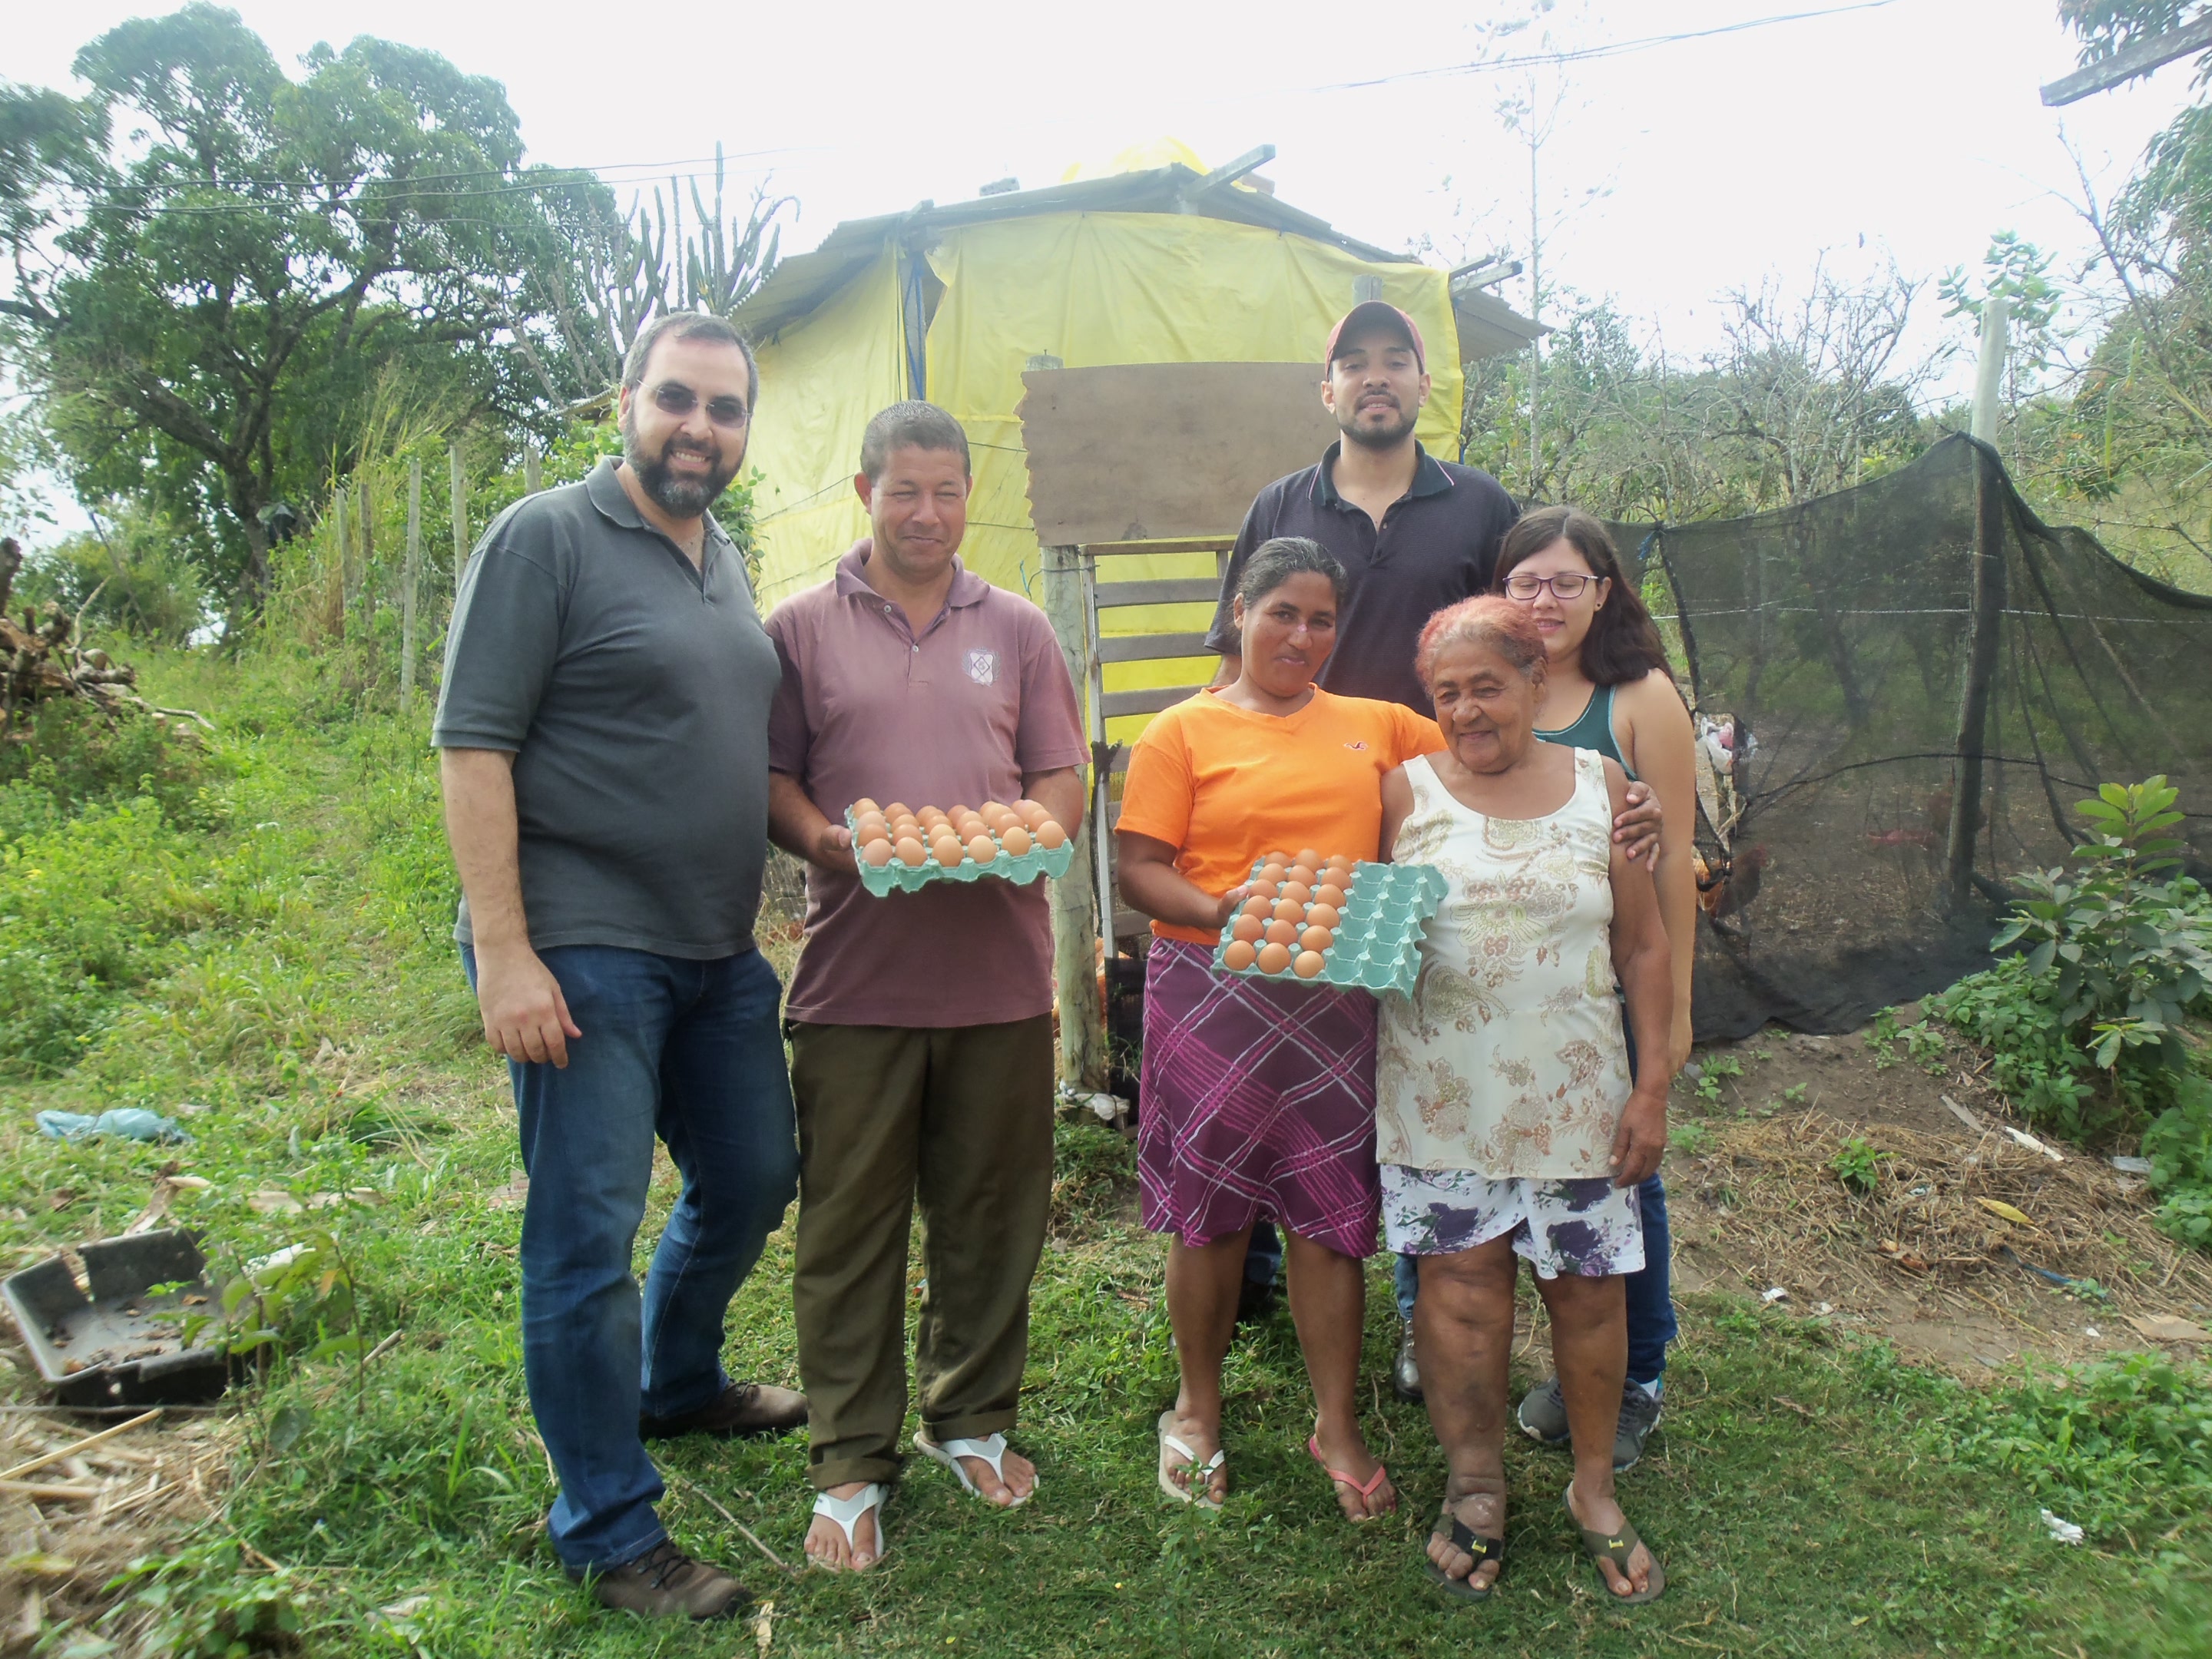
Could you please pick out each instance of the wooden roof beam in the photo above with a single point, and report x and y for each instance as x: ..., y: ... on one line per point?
x: 2141, y: 59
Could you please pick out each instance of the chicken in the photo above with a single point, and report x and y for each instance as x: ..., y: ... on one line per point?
x: 1727, y: 885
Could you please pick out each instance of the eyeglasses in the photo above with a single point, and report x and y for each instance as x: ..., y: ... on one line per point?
x: 673, y: 398
x: 1565, y: 586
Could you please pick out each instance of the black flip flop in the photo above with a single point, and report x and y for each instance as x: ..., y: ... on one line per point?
x: 1618, y: 1546
x: 1464, y: 1537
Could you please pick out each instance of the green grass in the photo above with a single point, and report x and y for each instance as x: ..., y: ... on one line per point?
x: 280, y: 963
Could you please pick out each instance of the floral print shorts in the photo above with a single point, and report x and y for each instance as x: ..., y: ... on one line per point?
x: 1588, y: 1228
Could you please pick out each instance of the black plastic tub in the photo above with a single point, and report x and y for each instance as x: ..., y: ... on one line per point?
x: 121, y: 1345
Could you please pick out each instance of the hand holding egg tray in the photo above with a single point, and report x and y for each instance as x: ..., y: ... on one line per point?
x: 1371, y: 942
x: 1016, y: 844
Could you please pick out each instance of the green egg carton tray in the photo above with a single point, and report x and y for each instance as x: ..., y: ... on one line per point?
x: 896, y: 877
x: 1378, y: 937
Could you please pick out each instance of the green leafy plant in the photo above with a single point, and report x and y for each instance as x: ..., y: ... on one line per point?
x: 1795, y: 1093
x: 205, y: 1606
x: 2132, y: 954
x: 1857, y: 1165
x: 2009, y: 1010
x: 1880, y: 1035
x: 1689, y: 1139
x: 2179, y: 1148
x: 1924, y: 1046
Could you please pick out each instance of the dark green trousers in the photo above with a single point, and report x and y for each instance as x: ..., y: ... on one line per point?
x: 960, y: 1120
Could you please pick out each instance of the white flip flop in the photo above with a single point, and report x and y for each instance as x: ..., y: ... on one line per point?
x: 992, y: 1450
x: 1200, y: 1476
x: 847, y: 1513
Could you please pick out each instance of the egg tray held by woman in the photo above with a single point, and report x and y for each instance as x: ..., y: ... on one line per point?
x: 1298, y: 930
x: 898, y: 850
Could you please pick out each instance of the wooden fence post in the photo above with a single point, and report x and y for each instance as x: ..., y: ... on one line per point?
x: 533, y: 472
x: 1986, y: 631
x: 410, y: 575
x: 345, y: 557
x: 460, y: 488
x: 1074, y: 924
x: 367, y: 592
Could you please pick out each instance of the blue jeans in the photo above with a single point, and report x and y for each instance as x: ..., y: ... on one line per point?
x: 1651, y: 1324
x: 692, y: 1053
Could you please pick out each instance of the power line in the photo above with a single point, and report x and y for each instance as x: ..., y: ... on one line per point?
x: 1609, y: 49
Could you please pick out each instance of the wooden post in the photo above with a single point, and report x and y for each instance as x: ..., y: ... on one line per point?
x: 410, y: 575
x: 533, y: 472
x: 1075, y: 925
x: 345, y: 557
x: 460, y: 489
x: 1987, y: 628
x: 367, y: 592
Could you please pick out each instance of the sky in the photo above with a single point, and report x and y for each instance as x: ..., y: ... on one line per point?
x: 1911, y: 130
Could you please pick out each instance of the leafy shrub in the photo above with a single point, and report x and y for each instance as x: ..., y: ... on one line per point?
x: 2121, y: 1443
x: 73, y: 757
x: 1858, y: 1165
x: 2179, y: 1148
x: 203, y: 1605
x: 2012, y: 1013
x: 2132, y: 955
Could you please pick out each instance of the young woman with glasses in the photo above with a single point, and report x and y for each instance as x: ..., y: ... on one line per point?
x: 1608, y: 688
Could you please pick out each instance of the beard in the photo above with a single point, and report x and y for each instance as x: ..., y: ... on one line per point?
x: 1382, y: 437
x: 680, y: 498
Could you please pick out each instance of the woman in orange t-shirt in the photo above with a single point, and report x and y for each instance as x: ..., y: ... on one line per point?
x: 1259, y: 1095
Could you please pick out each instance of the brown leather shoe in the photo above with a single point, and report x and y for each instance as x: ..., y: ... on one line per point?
x: 666, y: 1584
x: 742, y: 1408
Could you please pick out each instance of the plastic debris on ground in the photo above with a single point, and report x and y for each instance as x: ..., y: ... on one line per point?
x: 2137, y: 1166
x: 127, y: 1122
x: 1104, y: 1107
x: 1776, y: 1294
x: 2062, y: 1532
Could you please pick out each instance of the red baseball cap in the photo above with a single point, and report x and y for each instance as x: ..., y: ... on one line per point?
x: 1377, y: 311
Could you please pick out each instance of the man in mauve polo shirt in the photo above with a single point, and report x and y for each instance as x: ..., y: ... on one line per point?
x: 920, y: 1023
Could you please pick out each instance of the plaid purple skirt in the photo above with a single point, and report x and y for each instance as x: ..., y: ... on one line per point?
x: 1259, y: 1100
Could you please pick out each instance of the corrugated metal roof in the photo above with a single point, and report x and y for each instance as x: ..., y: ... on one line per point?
x: 801, y: 283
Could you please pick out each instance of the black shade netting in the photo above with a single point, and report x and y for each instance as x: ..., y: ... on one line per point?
x: 1829, y: 650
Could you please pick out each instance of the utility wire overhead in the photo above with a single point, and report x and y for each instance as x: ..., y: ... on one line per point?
x: 1607, y: 49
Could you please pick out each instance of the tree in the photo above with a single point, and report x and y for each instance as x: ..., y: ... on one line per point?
x: 253, y: 249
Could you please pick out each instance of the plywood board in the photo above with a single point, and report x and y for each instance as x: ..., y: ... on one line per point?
x: 1140, y: 451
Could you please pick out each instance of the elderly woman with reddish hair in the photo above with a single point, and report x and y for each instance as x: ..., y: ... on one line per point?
x: 1507, y: 1123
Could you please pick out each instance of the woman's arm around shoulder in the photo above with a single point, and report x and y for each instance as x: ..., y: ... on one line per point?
x: 1641, y: 963
x: 1663, y: 747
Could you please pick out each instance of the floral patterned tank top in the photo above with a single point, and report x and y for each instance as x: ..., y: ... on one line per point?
x: 1509, y: 1059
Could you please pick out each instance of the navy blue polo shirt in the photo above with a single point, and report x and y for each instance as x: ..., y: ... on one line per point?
x: 1436, y: 545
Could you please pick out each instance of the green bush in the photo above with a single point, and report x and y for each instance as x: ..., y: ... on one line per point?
x: 70, y: 753
x: 2179, y: 1148
x: 2012, y: 1013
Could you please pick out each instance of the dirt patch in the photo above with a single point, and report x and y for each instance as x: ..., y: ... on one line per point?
x: 84, y: 1518
x: 1923, y: 1251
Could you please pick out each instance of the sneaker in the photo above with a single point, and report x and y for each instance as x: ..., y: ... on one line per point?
x: 740, y: 1408
x: 1405, y: 1371
x: 666, y: 1584
x: 1543, y: 1416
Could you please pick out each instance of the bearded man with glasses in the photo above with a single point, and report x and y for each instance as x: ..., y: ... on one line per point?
x: 603, y: 725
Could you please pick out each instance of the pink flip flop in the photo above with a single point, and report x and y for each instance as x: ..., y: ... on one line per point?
x: 1381, y: 1474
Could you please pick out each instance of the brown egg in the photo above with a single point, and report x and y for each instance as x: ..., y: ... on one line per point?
x: 1289, y: 910
x: 1298, y: 893
x: 982, y: 848
x: 1281, y: 933
x: 878, y: 853
x: 869, y: 826
x: 1015, y: 839
x: 1237, y: 954
x: 1330, y: 894
x: 1315, y: 938
x: 956, y: 812
x: 1265, y: 890
x: 1251, y: 929
x: 863, y: 807
x: 910, y: 851
x: 905, y: 826
x: 1302, y: 872
x: 897, y: 808
x: 1272, y: 870
x: 1337, y: 872
x: 1309, y: 964
x: 1273, y: 958
x: 948, y: 852
x: 1050, y: 834
x: 1283, y: 859
x: 1259, y: 907
x: 1324, y: 915
x: 971, y: 827
x: 1029, y: 812
x: 1310, y: 859
x: 929, y: 817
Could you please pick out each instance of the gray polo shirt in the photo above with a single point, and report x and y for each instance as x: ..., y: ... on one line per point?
x: 633, y: 691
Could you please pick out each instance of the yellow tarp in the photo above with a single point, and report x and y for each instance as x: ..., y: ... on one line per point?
x: 1090, y: 290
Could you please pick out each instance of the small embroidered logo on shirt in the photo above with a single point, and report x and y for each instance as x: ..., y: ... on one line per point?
x: 1361, y: 743
x: 983, y: 666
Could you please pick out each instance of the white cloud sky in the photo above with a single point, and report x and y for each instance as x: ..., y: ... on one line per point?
x: 1916, y: 126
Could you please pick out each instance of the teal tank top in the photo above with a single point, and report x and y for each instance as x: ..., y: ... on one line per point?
x: 1593, y: 729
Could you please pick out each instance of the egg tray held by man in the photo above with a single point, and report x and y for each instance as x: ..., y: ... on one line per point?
x: 1332, y: 921
x: 898, y: 850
